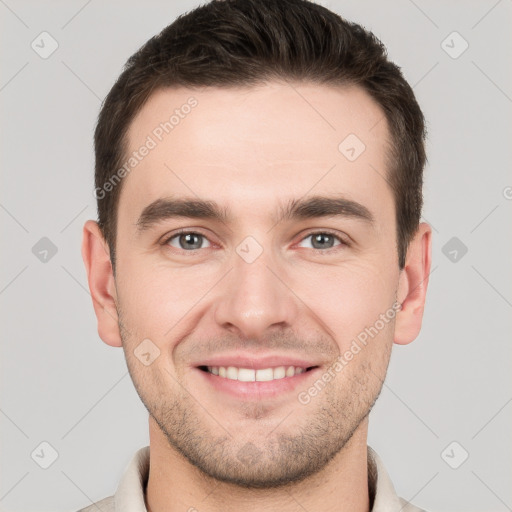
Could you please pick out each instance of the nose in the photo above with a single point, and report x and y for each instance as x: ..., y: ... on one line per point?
x: 255, y: 299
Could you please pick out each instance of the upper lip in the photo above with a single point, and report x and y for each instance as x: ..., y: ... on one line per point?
x: 256, y: 362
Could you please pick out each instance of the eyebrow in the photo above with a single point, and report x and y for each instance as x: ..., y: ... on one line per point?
x: 300, y: 209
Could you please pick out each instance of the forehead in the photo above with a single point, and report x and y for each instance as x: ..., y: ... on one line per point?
x: 242, y: 147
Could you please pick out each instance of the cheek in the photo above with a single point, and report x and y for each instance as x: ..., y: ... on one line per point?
x: 349, y: 299
x: 145, y: 298
x: 155, y: 298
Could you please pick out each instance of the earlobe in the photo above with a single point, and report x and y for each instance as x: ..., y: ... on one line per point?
x: 100, y: 277
x: 412, y: 287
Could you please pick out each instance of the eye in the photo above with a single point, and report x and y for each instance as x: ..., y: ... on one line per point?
x: 323, y: 240
x: 187, y: 241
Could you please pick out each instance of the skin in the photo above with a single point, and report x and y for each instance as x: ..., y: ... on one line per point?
x: 251, y: 150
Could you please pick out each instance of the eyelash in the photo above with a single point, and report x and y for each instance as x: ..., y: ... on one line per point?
x: 312, y: 233
x: 342, y: 242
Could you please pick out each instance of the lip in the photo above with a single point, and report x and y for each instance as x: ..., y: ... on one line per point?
x: 256, y: 362
x: 254, y: 390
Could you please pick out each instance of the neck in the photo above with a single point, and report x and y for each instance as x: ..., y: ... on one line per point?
x: 175, y: 484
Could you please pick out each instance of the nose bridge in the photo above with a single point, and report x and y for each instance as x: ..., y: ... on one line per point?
x: 253, y: 299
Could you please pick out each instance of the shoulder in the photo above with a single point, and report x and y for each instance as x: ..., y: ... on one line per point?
x: 105, y: 505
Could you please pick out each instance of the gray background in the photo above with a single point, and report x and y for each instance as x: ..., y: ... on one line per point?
x: 62, y: 385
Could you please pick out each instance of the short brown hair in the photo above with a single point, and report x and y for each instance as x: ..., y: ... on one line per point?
x: 248, y: 42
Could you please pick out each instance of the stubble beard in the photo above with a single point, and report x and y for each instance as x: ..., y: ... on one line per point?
x: 301, y: 446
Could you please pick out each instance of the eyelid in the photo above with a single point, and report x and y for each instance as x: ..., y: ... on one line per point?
x: 185, y: 231
x: 344, y: 240
x: 198, y: 231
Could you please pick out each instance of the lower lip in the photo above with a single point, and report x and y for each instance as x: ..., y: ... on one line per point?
x: 255, y: 390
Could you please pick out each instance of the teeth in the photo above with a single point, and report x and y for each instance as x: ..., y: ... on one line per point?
x: 279, y: 372
x: 246, y: 375
x: 232, y: 372
x: 250, y: 375
x: 264, y: 375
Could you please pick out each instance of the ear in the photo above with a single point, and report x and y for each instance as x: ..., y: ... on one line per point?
x: 100, y: 277
x: 412, y: 286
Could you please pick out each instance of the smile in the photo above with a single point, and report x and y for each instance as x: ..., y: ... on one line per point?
x: 252, y: 375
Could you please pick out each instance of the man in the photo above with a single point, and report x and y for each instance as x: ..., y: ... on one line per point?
x: 258, y: 251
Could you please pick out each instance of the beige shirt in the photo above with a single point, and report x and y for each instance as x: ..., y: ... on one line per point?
x: 129, y: 496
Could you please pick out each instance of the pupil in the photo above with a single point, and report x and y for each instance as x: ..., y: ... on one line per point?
x: 321, y: 239
x: 191, y: 241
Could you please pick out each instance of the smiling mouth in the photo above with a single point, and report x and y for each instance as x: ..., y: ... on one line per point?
x: 252, y: 375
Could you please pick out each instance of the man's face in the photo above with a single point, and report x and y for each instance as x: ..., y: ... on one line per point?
x: 254, y: 290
